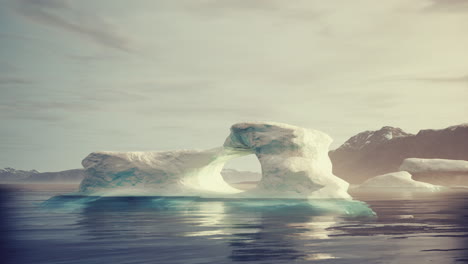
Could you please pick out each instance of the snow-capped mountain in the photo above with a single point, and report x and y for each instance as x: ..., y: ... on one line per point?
x: 10, y: 174
x: 13, y: 175
x: 372, y: 138
x: 72, y: 176
x: 372, y: 153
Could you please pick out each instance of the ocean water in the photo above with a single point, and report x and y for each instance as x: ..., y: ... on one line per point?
x: 40, y: 225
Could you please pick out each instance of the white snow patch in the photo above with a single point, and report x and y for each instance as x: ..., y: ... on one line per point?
x: 388, y: 135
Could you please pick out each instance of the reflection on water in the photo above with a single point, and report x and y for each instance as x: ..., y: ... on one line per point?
x: 65, y: 229
x: 315, y: 228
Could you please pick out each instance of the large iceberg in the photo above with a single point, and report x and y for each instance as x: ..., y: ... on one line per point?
x: 294, y: 161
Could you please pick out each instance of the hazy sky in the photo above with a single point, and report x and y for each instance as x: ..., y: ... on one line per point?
x: 80, y: 76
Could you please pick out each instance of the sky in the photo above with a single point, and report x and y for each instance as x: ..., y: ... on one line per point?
x: 83, y: 76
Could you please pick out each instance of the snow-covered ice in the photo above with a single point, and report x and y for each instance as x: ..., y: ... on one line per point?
x: 395, y: 182
x: 415, y: 165
x: 168, y: 173
x: 294, y: 161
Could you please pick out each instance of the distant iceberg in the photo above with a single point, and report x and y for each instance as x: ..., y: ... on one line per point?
x: 416, y: 165
x: 443, y: 172
x: 396, y: 182
x: 294, y: 161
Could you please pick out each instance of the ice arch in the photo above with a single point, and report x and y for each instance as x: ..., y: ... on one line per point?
x: 294, y: 161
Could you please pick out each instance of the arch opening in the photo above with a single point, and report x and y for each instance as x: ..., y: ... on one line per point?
x: 242, y: 172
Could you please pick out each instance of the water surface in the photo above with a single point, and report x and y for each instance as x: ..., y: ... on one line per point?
x: 408, y: 228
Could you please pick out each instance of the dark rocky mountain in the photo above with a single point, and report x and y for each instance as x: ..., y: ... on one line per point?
x: 12, y: 175
x: 372, y: 153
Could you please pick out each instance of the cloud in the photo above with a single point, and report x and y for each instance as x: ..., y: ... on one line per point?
x: 264, y: 5
x: 111, y: 95
x: 456, y: 79
x: 90, y: 58
x: 136, y: 96
x: 282, y: 9
x: 41, y: 110
x: 206, y: 110
x: 437, y: 79
x: 6, y: 67
x: 14, y: 80
x: 140, y: 91
x: 177, y: 87
x: 447, y: 5
x: 62, y: 15
x: 451, y: 79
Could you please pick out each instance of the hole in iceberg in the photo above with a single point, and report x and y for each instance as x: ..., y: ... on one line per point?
x: 243, y: 172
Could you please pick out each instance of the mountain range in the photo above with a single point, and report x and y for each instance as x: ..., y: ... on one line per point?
x: 372, y: 153
x: 69, y: 176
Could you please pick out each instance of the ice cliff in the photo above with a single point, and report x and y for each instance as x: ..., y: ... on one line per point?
x: 294, y: 161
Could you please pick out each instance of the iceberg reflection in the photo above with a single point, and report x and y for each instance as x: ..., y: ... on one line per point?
x: 254, y: 229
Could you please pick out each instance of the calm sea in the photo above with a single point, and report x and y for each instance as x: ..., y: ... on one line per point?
x: 407, y: 228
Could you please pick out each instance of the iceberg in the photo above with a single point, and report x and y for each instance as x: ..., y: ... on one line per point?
x: 443, y: 172
x: 294, y: 162
x: 416, y: 165
x: 396, y: 182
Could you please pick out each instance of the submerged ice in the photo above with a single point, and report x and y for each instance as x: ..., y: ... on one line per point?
x: 321, y: 207
x: 294, y: 161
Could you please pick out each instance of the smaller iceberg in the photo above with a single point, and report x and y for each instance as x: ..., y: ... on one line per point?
x: 445, y: 172
x: 396, y: 182
x: 415, y: 165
